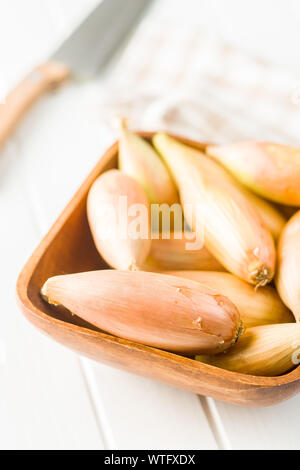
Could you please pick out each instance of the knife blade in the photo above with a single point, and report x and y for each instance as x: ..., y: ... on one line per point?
x: 82, y: 54
x: 92, y: 44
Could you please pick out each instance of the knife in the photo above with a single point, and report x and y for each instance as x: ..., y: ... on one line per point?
x: 82, y: 54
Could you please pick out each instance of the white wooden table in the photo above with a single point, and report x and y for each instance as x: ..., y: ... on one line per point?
x: 49, y: 396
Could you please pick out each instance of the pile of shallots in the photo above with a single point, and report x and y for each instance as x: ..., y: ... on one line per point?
x: 212, y: 301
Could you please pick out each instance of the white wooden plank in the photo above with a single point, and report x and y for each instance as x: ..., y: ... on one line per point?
x: 142, y: 414
x: 44, y: 402
x: 134, y: 412
x: 274, y: 428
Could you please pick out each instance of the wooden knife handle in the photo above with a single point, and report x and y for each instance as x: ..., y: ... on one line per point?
x: 43, y: 78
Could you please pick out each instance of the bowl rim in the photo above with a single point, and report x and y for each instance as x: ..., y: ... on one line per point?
x: 28, y: 270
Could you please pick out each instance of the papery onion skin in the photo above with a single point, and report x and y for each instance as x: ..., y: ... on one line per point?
x: 274, y: 219
x: 138, y: 159
x: 269, y: 169
x: 268, y: 350
x: 234, y: 231
x: 173, y: 254
x: 288, y: 271
x: 120, y: 250
x: 154, y: 309
x: 256, y: 306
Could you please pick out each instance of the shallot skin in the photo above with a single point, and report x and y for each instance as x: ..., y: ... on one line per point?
x: 138, y: 159
x: 104, y: 205
x: 234, y: 230
x: 172, y: 254
x: 271, y: 170
x: 288, y: 271
x: 256, y: 306
x: 158, y: 310
x: 268, y: 350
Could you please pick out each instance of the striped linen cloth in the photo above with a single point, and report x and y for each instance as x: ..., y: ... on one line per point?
x: 180, y: 79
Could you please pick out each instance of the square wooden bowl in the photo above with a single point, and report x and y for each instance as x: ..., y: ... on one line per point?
x: 69, y: 248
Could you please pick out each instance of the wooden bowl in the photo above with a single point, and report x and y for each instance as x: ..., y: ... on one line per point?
x: 69, y: 248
